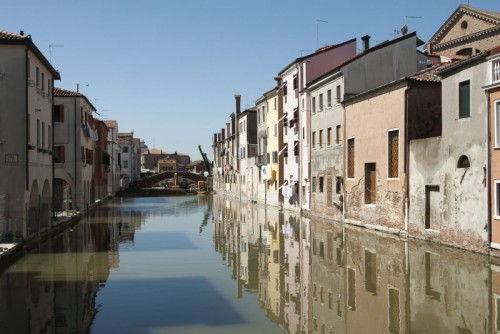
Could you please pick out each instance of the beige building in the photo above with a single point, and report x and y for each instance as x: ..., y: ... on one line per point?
x: 466, y: 32
x: 26, y: 87
x: 74, y: 139
x: 166, y: 165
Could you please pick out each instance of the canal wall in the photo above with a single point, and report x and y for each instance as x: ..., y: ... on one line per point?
x: 12, y: 251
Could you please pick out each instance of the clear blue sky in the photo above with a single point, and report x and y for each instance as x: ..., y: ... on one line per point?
x: 168, y: 69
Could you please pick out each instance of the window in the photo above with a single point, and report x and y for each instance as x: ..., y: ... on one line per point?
x: 37, y: 77
x: 337, y: 135
x: 497, y: 124
x: 321, y: 184
x: 320, y: 138
x: 275, y: 104
x: 370, y: 183
x: 350, y: 158
x: 338, y: 185
x: 351, y: 289
x: 59, y: 154
x: 329, y: 137
x: 338, y: 93
x: 463, y: 162
x: 263, y: 114
x: 43, y: 81
x: 394, y: 311
x: 393, y: 153
x: 275, y: 130
x: 313, y: 139
x: 371, y: 272
x: 320, y: 102
x: 59, y: 113
x: 296, y: 147
x: 295, y: 82
x: 285, y: 89
x: 275, y: 157
x: 313, y: 184
x: 125, y: 163
x: 464, y: 99
x: 125, y: 149
x: 29, y: 129
x: 37, y: 133
x: 497, y: 199
x: 43, y: 134
x: 49, y: 134
x: 329, y: 98
x: 313, y: 105
x: 258, y: 116
x: 495, y: 67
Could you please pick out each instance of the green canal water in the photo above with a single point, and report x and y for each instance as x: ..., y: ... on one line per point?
x: 203, y: 264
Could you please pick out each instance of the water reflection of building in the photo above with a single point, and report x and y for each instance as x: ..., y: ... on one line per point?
x: 376, y: 271
x: 53, y: 289
x: 327, y: 300
x: 318, y: 277
x: 448, y: 290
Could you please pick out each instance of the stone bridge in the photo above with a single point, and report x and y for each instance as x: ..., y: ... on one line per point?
x: 151, y: 181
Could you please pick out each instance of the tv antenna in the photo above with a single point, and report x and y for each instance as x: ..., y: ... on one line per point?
x: 317, y: 31
x: 50, y: 49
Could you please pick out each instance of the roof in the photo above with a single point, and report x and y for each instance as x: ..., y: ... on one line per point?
x: 365, y: 52
x: 319, y: 51
x: 492, y: 17
x: 59, y: 92
x: 8, y: 38
x: 111, y: 124
x: 155, y: 151
x: 430, y: 74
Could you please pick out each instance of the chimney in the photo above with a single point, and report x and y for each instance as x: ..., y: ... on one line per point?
x: 366, y: 42
x: 238, y: 103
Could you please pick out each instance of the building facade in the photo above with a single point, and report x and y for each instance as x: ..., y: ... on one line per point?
x: 26, y: 129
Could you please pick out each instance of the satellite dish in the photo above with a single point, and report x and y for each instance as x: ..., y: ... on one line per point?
x: 404, y: 30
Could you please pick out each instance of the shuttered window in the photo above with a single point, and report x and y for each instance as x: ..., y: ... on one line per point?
x: 393, y: 153
x: 350, y: 158
x: 464, y: 99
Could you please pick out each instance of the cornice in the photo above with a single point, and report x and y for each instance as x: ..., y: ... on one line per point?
x: 465, y: 39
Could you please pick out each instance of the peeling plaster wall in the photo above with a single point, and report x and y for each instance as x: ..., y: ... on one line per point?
x: 368, y: 122
x: 327, y: 159
x: 459, y: 206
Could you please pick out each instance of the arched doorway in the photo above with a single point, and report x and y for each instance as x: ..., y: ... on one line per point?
x: 63, y: 196
x: 33, y: 210
x: 46, y: 201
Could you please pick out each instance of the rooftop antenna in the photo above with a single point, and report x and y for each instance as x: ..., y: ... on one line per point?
x: 303, y: 50
x: 50, y: 49
x: 317, y: 31
x: 404, y: 30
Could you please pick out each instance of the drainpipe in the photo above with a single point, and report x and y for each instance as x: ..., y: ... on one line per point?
x: 406, y: 153
x: 75, y: 190
x: 27, y: 120
x: 488, y: 167
x: 52, y: 148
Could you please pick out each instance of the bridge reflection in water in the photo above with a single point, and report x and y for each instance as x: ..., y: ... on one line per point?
x: 154, y: 265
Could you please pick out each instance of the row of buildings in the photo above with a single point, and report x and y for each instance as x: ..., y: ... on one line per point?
x: 391, y: 137
x: 56, y: 156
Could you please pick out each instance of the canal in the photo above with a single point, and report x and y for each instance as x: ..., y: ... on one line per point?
x: 208, y: 264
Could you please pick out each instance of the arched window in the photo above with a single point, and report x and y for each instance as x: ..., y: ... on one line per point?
x: 463, y: 162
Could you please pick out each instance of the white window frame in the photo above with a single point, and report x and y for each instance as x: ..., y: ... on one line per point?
x: 496, y: 213
x: 497, y: 123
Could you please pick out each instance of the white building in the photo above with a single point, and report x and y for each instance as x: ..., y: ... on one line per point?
x: 114, y: 152
x: 26, y: 82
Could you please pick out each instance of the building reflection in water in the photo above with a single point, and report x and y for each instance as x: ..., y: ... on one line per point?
x: 309, y: 275
x: 39, y: 292
x: 318, y: 276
